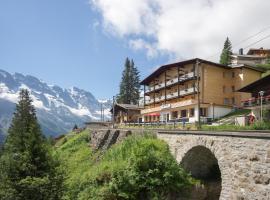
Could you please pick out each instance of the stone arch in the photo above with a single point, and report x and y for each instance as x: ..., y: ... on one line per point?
x: 202, y: 164
x: 218, y: 151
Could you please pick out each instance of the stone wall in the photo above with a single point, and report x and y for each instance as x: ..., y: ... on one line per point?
x: 244, y: 163
x: 103, y: 139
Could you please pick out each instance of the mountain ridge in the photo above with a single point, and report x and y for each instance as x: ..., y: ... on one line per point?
x: 58, y: 109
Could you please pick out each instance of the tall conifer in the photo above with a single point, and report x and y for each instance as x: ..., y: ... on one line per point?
x: 130, y: 84
x: 225, y: 57
x: 27, y: 168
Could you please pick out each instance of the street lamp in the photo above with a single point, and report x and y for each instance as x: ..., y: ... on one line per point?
x: 261, y: 93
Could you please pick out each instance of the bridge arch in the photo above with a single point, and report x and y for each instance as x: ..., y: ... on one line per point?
x: 202, y: 164
x: 207, y: 150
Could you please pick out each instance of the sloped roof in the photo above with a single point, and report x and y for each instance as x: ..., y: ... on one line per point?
x: 253, y: 50
x: 253, y: 67
x: 163, y: 68
x: 127, y: 107
x: 256, y: 85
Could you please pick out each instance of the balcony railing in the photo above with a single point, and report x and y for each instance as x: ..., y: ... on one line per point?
x: 172, y: 95
x: 256, y: 101
x: 182, y: 78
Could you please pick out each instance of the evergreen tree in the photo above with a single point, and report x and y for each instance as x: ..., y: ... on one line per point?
x: 75, y: 127
x: 130, y: 84
x: 225, y: 57
x: 27, y: 168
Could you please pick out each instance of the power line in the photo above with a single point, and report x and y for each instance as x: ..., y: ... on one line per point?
x: 246, y: 39
x: 257, y: 41
x: 252, y: 36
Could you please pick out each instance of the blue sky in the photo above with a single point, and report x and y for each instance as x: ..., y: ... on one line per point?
x: 59, y: 42
x: 84, y: 43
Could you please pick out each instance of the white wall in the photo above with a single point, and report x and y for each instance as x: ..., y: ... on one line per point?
x: 219, y: 111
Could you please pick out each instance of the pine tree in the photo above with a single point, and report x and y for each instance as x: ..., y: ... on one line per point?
x: 130, y: 84
x: 28, y: 171
x: 135, y: 83
x: 225, y: 57
x: 75, y: 127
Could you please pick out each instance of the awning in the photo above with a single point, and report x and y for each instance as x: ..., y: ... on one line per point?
x: 153, y: 114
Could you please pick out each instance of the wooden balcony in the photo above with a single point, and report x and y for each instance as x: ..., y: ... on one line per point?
x: 172, y: 95
x: 183, y: 78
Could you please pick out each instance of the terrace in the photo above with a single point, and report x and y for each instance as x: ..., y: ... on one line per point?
x: 254, y: 102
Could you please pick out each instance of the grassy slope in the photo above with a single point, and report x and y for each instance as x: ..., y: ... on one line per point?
x: 86, y: 171
x: 75, y: 154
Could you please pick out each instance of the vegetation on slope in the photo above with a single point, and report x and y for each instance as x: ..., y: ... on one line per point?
x: 138, y: 168
x: 27, y: 167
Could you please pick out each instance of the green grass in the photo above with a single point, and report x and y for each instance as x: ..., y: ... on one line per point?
x: 237, y: 112
x: 224, y: 127
x: 138, y: 165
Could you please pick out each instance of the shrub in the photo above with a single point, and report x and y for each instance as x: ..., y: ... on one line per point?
x: 138, y: 168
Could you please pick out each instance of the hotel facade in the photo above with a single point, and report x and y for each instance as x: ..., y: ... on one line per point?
x: 171, y: 92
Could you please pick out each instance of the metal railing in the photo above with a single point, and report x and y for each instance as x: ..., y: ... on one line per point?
x: 256, y: 101
x: 182, y: 78
x: 172, y: 95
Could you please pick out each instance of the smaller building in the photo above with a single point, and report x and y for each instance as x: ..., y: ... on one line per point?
x: 253, y: 57
x: 126, y: 113
x: 260, y: 97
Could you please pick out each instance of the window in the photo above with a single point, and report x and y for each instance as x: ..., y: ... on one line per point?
x: 174, y: 115
x: 203, y: 112
x: 183, y: 113
x: 224, y: 89
x: 191, y: 112
x: 226, y: 101
x: 233, y: 74
x: 233, y: 100
x: 224, y: 75
x: 233, y: 89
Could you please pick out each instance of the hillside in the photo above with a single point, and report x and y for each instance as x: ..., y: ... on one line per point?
x: 138, y: 167
x: 58, y: 109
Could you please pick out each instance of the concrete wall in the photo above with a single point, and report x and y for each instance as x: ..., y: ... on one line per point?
x: 218, y: 111
x: 244, y: 162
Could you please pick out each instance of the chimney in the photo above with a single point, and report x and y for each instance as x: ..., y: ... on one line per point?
x: 241, y: 51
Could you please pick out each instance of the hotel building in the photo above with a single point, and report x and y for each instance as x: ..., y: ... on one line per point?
x: 171, y: 92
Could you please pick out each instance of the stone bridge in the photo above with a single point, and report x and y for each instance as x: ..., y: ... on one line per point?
x: 239, y: 162
x: 232, y: 165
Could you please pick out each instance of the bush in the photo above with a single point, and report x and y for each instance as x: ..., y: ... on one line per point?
x: 138, y: 168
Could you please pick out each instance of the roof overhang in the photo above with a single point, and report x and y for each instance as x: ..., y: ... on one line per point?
x: 256, y: 85
x: 163, y: 68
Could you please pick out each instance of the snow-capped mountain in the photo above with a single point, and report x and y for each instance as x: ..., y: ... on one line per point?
x: 57, y: 109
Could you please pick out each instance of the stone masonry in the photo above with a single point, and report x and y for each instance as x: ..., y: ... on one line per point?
x: 244, y: 161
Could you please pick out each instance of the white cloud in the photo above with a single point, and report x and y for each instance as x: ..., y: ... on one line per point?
x: 138, y: 44
x: 193, y: 28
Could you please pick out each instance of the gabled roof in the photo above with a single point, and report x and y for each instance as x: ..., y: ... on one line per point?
x: 253, y: 67
x: 129, y: 106
x: 161, y: 69
x: 253, y: 50
x: 126, y: 107
x: 256, y: 85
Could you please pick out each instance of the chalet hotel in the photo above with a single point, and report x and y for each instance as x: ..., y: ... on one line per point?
x: 171, y: 92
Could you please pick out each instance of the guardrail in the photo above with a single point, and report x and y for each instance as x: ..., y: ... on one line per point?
x: 256, y: 101
x: 182, y: 78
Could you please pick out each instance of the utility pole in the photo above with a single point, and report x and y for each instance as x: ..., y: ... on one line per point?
x: 261, y: 93
x: 101, y: 112
x: 198, y: 94
x: 113, y: 111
